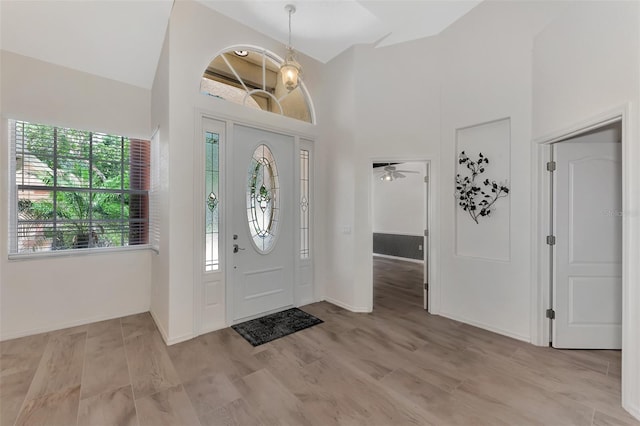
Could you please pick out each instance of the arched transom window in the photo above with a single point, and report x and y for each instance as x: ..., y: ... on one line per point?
x: 250, y: 76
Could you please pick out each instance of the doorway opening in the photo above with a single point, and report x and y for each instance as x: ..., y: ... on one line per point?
x: 586, y: 240
x: 542, y: 278
x: 400, y: 223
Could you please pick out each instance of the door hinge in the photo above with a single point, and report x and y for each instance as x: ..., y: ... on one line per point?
x: 426, y: 286
x: 426, y: 232
x: 551, y: 314
x: 551, y: 166
x: 551, y: 240
x: 426, y: 179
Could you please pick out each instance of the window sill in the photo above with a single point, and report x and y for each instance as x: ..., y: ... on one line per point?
x: 79, y: 252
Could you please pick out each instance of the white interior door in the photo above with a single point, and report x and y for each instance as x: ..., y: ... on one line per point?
x: 588, y: 251
x: 263, y: 222
x: 425, y: 247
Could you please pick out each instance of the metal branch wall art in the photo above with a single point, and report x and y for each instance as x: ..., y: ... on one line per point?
x: 475, y: 200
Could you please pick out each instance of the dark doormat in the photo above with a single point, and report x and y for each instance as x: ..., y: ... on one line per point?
x: 271, y: 327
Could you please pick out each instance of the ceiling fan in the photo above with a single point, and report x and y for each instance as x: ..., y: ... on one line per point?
x: 391, y: 173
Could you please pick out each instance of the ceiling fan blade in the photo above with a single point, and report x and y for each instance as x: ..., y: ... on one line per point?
x: 397, y: 175
x: 407, y: 171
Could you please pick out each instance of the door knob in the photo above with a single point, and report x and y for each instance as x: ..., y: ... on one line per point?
x: 236, y: 248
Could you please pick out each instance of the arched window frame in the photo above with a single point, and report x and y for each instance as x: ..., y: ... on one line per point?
x: 277, y: 60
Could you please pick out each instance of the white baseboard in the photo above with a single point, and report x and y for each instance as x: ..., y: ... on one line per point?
x: 308, y: 302
x: 161, y: 329
x: 406, y: 259
x: 211, y: 329
x: 179, y: 339
x: 634, y: 410
x: 62, y: 326
x: 165, y: 337
x: 486, y: 327
x: 348, y: 307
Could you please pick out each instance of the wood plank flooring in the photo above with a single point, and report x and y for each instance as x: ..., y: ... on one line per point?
x: 395, y: 366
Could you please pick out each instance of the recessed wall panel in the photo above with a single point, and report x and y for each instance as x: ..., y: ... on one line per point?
x: 490, y: 237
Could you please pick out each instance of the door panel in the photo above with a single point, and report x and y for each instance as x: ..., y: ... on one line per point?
x: 588, y: 251
x: 210, y: 294
x: 263, y: 275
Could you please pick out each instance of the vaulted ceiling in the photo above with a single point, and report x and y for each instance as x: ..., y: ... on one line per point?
x: 122, y: 40
x: 324, y: 29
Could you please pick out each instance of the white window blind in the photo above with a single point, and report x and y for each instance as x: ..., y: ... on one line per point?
x: 154, y: 193
x: 75, y: 189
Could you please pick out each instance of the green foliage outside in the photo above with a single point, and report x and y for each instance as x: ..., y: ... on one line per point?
x: 76, y: 211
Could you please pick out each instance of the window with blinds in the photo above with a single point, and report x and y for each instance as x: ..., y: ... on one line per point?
x: 74, y: 189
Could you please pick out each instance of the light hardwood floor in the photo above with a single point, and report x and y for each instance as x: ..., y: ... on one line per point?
x: 395, y: 366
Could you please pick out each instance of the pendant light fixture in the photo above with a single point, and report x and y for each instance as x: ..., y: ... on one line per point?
x: 290, y: 69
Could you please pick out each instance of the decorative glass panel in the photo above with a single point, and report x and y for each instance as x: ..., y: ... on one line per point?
x: 304, y: 204
x: 263, y: 199
x: 211, y: 200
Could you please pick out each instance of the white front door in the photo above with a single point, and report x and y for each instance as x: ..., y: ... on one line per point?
x: 587, y: 255
x: 262, y: 222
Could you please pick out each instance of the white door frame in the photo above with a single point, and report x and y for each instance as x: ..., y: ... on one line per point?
x: 199, y: 218
x: 300, y: 131
x: 541, y: 224
x: 431, y: 223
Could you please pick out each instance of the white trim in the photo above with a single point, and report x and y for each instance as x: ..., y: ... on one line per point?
x: 630, y: 244
x: 164, y: 334
x: 68, y: 324
x: 404, y: 259
x: 227, y: 225
x: 347, y: 306
x: 161, y: 329
x: 633, y: 409
x: 295, y: 209
x: 284, y: 125
x: 76, y: 252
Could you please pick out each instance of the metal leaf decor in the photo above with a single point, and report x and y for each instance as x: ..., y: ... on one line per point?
x: 475, y: 200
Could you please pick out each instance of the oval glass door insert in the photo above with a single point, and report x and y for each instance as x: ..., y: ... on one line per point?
x: 263, y: 199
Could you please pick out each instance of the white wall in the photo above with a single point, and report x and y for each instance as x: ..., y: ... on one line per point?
x: 586, y: 63
x: 160, y: 113
x: 336, y: 155
x: 50, y: 293
x: 370, y: 115
x: 487, y: 76
x: 399, y: 206
x: 196, y: 35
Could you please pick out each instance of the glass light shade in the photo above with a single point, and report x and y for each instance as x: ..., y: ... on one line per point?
x: 290, y: 70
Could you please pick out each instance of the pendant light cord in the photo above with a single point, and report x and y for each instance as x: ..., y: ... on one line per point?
x: 290, y: 28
